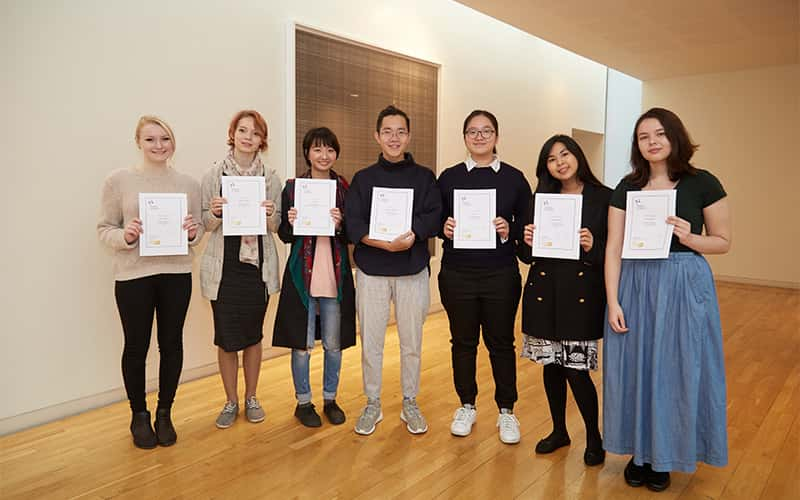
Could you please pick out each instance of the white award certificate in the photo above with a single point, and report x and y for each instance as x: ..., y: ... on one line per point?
x: 474, y: 210
x: 313, y: 200
x: 647, y: 234
x: 243, y: 214
x: 390, y: 213
x: 557, y: 218
x: 162, y: 217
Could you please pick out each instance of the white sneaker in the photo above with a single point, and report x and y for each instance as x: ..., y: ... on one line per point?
x: 463, y: 420
x: 508, y: 425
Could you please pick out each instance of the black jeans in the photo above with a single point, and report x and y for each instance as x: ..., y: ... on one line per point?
x: 475, y: 300
x: 166, y: 295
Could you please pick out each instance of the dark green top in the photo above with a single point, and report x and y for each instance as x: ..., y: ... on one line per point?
x: 694, y: 193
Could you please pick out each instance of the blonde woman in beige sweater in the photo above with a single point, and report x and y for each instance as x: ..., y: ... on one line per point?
x: 238, y: 273
x: 160, y: 285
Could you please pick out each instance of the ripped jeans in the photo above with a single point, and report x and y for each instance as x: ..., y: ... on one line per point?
x: 330, y: 324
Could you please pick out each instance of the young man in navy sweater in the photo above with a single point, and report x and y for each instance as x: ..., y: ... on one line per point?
x: 394, y: 270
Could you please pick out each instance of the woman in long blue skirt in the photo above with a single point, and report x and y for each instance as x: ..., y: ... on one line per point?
x: 664, y: 375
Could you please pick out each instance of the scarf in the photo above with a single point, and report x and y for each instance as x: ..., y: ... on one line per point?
x: 301, y: 260
x: 248, y: 250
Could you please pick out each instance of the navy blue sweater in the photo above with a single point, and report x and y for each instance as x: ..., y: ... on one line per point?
x: 513, y: 200
x: 425, y: 221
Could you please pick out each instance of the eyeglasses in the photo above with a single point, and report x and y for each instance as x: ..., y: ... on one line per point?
x: 485, y: 133
x: 388, y: 133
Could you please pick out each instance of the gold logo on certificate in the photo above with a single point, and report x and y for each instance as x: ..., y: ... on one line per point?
x: 155, y: 242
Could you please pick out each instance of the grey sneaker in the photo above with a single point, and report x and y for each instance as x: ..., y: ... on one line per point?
x: 410, y: 414
x: 228, y: 415
x: 370, y: 416
x: 253, y: 410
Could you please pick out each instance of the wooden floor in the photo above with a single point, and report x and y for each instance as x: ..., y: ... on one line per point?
x: 91, y: 455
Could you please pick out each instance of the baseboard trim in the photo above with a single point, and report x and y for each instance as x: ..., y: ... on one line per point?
x: 76, y: 406
x: 58, y: 411
x: 750, y: 281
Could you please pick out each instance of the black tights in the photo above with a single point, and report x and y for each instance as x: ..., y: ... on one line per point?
x: 555, y: 385
x: 166, y: 295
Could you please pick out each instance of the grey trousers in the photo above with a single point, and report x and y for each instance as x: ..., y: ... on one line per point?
x: 412, y: 299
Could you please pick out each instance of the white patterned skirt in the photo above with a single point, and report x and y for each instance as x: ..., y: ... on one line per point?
x: 575, y: 354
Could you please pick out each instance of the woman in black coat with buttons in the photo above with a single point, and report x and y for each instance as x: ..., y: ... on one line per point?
x: 563, y: 303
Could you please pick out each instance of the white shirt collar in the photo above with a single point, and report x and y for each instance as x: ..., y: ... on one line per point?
x: 472, y: 163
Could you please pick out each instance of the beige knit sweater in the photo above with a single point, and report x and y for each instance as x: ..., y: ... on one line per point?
x: 211, y: 261
x: 120, y: 203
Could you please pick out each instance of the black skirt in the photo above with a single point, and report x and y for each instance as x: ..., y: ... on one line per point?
x: 241, y: 301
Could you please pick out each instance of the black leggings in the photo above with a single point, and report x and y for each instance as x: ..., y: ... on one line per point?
x: 555, y: 385
x: 166, y: 295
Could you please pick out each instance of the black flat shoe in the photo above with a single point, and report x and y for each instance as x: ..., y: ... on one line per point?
x: 142, y: 431
x: 635, y: 474
x: 657, y: 481
x: 165, y: 431
x: 307, y: 415
x: 551, y: 443
x: 333, y: 412
x: 594, y: 456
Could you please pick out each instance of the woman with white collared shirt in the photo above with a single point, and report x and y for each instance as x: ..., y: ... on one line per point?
x: 480, y: 288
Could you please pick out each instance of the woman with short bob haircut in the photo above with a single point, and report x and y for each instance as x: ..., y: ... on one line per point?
x: 564, y: 301
x: 238, y: 273
x: 153, y: 285
x: 317, y: 287
x: 664, y: 374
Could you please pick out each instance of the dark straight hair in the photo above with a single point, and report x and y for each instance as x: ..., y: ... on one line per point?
x: 320, y: 136
x: 548, y: 183
x: 390, y: 110
x: 682, y: 148
x: 487, y: 114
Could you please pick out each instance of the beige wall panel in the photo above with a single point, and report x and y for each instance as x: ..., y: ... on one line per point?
x: 747, y: 125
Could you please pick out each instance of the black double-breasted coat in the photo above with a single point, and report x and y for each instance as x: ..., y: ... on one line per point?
x: 566, y: 299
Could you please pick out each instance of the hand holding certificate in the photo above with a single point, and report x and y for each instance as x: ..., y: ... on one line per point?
x: 313, y: 200
x: 474, y: 210
x: 390, y: 214
x: 162, y: 216
x: 243, y: 214
x: 647, y: 234
x: 557, y: 218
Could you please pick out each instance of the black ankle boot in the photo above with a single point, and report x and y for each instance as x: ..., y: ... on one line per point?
x: 165, y: 431
x: 142, y: 431
x: 307, y: 416
x: 333, y: 412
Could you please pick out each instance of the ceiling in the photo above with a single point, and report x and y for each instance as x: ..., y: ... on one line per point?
x: 654, y: 40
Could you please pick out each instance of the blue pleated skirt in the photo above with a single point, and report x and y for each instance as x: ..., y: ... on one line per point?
x: 664, y: 380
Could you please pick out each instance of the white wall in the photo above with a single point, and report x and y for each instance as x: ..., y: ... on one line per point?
x: 78, y: 74
x: 746, y: 123
x: 623, y: 108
